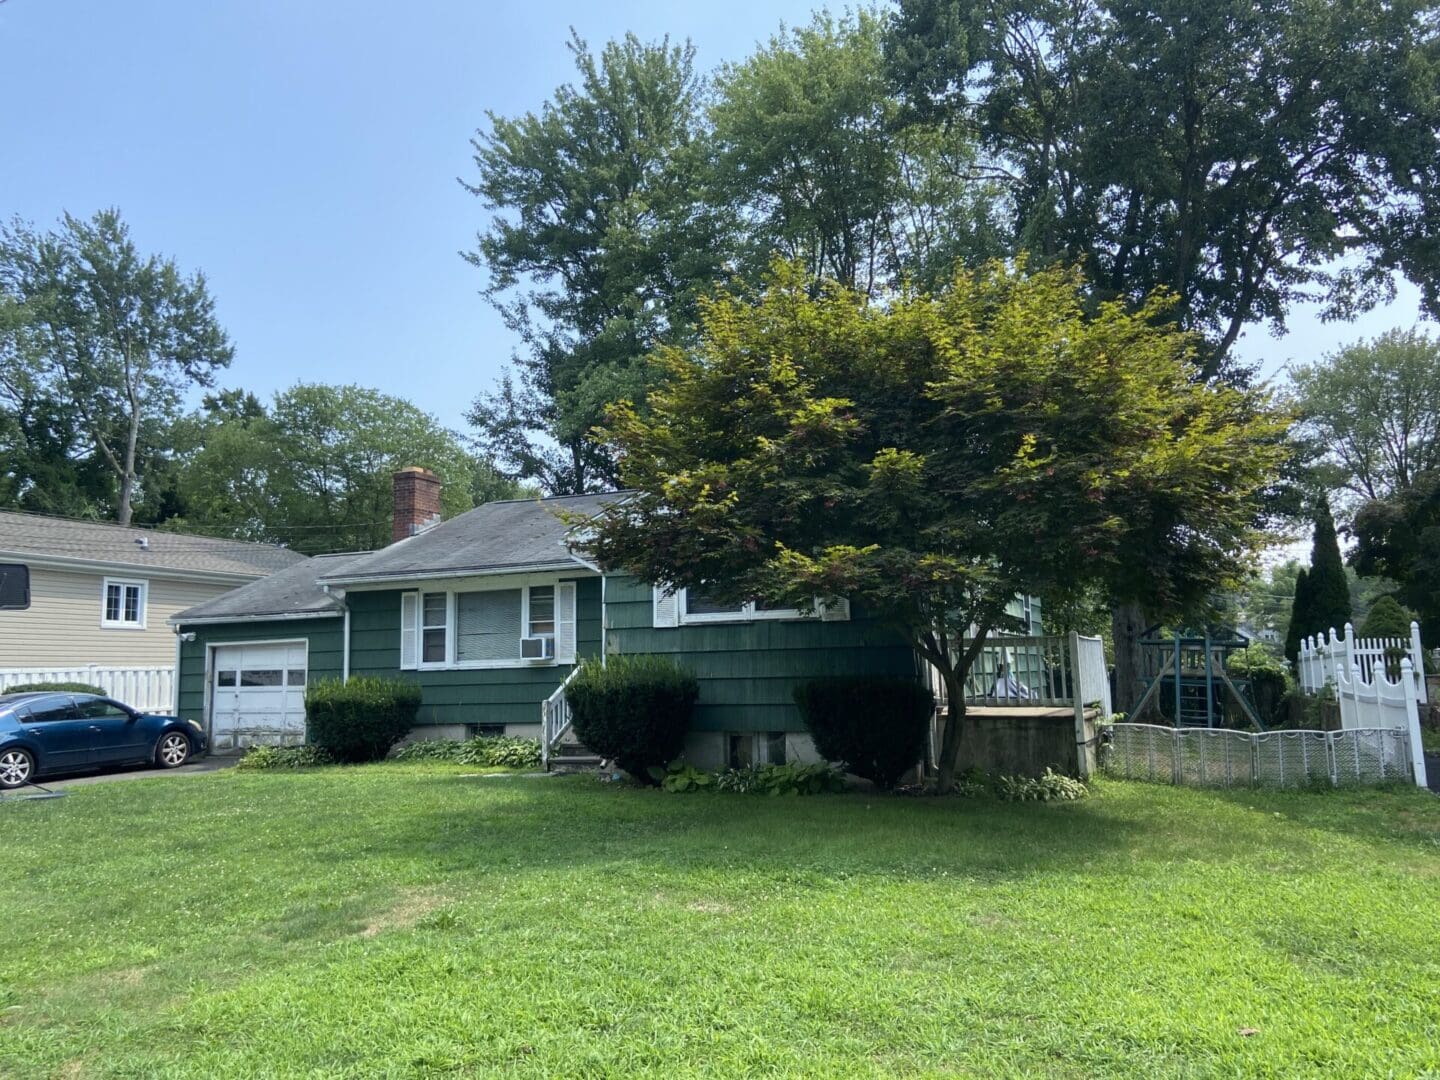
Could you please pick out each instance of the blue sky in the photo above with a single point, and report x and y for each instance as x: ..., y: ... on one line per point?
x: 304, y: 154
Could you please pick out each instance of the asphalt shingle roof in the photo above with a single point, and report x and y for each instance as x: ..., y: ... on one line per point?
x: 101, y: 542
x: 292, y: 591
x: 493, y: 538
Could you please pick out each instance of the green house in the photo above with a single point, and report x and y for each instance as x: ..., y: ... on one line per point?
x: 490, y: 612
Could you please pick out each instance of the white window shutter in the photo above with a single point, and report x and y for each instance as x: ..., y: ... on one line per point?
x: 667, y: 608
x: 565, y: 622
x: 835, y: 610
x: 409, y: 630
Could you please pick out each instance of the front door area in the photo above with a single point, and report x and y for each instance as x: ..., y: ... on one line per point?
x: 257, y: 695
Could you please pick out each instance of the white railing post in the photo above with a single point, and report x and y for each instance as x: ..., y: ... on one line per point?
x: 1412, y: 716
x: 1417, y: 659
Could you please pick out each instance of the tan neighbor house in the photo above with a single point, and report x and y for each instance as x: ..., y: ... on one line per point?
x: 101, y: 595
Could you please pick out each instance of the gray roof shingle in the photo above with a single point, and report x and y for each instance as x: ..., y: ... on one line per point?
x: 492, y: 538
x: 40, y: 536
x: 293, y: 591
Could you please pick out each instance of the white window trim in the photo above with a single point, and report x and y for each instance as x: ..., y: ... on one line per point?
x: 123, y: 584
x: 450, y: 663
x: 748, y: 613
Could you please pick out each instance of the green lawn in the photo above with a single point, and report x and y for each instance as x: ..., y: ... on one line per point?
x: 408, y: 921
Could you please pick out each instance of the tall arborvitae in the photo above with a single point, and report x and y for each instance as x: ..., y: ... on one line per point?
x: 1329, y: 590
x: 1299, y: 615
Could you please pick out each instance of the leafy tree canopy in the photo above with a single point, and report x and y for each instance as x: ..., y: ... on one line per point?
x: 600, y: 239
x: 1233, y: 151
x: 1372, y: 412
x: 314, y: 470
x: 1399, y: 538
x: 98, y: 344
x: 932, y: 457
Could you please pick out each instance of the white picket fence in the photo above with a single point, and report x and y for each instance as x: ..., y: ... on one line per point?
x: 149, y: 689
x: 1322, y: 656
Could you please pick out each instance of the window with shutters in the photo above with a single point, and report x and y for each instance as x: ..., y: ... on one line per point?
x: 480, y: 628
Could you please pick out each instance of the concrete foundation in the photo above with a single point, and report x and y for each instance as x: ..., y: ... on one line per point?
x: 1026, y: 741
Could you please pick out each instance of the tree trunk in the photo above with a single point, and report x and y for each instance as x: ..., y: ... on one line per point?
x: 954, y: 732
x: 1127, y: 624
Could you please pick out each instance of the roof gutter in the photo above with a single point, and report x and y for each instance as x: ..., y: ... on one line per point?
x: 438, y: 575
x: 62, y: 562
x: 207, y: 620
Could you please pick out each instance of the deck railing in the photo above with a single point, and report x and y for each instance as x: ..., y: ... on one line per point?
x: 1049, y: 671
x: 1056, y: 671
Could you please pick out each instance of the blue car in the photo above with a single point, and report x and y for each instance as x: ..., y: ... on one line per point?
x: 42, y: 734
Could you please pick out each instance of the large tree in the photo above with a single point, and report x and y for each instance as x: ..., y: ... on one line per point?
x: 815, y: 162
x: 1230, y: 150
x: 103, y: 342
x: 1372, y: 411
x: 1398, y: 537
x: 1329, y: 603
x: 1246, y: 155
x: 932, y: 457
x: 313, y: 470
x: 602, y: 234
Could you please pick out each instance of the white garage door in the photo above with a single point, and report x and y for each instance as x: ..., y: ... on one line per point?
x: 258, y: 695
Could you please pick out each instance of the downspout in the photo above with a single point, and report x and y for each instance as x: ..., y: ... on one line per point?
x: 345, y: 649
x: 175, y: 689
x: 604, y: 623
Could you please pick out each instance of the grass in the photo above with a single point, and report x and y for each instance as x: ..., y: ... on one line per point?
x: 401, y: 921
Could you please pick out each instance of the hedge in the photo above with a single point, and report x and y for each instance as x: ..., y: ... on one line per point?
x: 634, y: 710
x: 362, y: 719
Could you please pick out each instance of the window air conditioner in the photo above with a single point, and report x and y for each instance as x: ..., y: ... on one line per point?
x: 536, y: 649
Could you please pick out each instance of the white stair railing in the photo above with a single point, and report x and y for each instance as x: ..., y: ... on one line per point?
x: 555, y: 719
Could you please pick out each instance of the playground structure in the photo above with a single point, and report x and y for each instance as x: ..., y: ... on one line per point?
x: 1185, y: 679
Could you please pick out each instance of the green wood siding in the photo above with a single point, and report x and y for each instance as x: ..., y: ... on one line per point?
x: 748, y: 671
x: 325, y: 637
x: 487, y: 696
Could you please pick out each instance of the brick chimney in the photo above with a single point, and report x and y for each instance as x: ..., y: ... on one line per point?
x: 417, y: 502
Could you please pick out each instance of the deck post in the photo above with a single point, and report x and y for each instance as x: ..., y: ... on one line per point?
x: 1082, y: 744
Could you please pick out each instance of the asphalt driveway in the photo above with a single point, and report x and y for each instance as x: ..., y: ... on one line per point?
x: 138, y: 772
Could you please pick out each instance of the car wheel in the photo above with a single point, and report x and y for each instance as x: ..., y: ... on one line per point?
x: 173, y: 751
x: 16, y: 768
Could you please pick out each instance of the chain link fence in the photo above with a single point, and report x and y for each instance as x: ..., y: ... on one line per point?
x: 1216, y: 757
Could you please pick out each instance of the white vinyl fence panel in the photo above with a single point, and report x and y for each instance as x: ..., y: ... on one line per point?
x: 149, y: 689
x: 1322, y: 655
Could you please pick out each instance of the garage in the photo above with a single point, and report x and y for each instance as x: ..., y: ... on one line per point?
x: 257, y: 694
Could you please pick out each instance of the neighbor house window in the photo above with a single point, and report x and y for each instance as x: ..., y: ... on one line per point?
x: 123, y: 604
x: 696, y: 606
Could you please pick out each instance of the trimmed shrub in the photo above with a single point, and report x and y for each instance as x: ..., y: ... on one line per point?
x: 817, y: 778
x: 283, y: 757
x: 634, y: 710
x: 874, y: 724
x: 1052, y: 787
x: 362, y: 719
x: 497, y: 750
x: 54, y: 688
